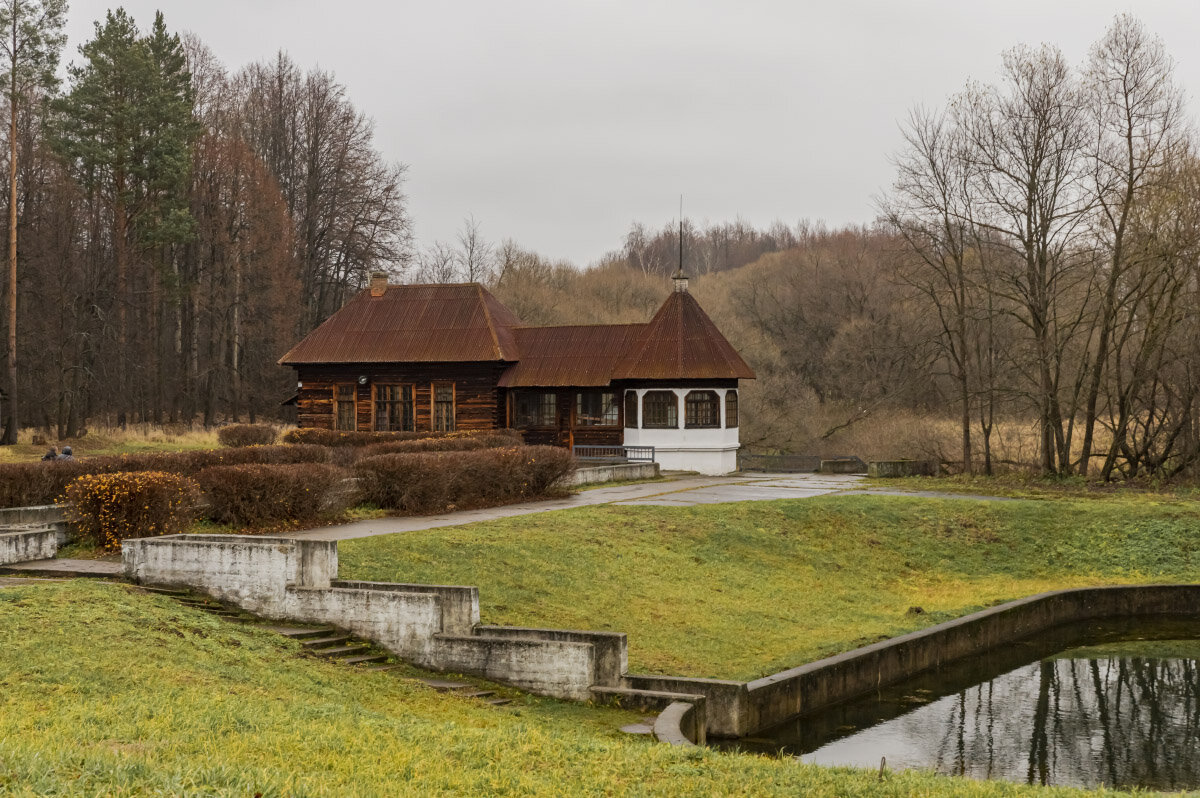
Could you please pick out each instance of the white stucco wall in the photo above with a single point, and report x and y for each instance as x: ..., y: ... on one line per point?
x: 707, y: 451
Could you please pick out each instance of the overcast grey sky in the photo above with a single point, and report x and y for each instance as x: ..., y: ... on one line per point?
x: 558, y: 123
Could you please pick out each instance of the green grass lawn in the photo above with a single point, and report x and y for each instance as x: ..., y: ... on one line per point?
x: 742, y: 590
x: 108, y: 691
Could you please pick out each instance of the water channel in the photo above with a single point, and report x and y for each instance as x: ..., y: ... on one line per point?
x: 1115, y: 703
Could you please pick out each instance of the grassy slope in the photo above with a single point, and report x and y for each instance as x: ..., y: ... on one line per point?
x: 105, y: 691
x: 741, y: 590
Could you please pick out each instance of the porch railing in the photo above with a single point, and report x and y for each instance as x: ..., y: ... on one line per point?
x: 632, y: 454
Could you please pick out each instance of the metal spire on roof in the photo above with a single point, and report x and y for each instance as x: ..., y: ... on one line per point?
x: 680, y: 279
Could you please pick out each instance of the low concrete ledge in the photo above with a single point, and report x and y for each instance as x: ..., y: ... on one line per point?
x: 682, y: 723
x: 460, y: 604
x: 28, y: 543
x: 611, y: 651
x: 725, y: 700
x: 51, y: 515
x: 774, y: 699
x: 589, y: 475
x: 848, y: 465
x: 562, y: 669
x: 890, y: 469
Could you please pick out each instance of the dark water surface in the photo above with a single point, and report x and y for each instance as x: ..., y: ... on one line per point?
x: 1114, y: 703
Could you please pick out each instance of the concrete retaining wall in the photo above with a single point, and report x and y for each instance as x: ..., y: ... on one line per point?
x: 29, y: 543
x: 51, y: 515
x: 776, y: 698
x: 562, y: 669
x: 459, y: 604
x: 725, y: 700
x: 612, y: 473
x: 902, y: 468
x: 681, y: 723
x: 611, y: 651
x: 434, y: 626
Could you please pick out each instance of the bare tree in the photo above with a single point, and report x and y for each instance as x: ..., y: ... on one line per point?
x: 475, y: 253
x: 1027, y: 143
x: 30, y: 40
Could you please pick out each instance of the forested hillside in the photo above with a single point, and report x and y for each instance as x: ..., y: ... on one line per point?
x: 180, y: 225
x: 1027, y: 296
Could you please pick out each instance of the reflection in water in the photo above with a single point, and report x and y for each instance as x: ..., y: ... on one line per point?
x: 1117, y: 721
x: 1120, y: 715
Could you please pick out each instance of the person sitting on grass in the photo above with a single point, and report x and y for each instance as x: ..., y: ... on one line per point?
x: 52, y: 454
x: 66, y: 454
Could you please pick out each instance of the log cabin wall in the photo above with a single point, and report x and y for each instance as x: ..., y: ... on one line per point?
x: 478, y: 403
x: 567, y: 433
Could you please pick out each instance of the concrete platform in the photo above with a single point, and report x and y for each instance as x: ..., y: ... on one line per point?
x: 66, y: 569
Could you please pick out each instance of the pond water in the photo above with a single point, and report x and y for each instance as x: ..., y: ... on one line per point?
x: 1114, y: 703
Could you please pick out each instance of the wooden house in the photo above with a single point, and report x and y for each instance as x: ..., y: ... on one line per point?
x: 452, y: 357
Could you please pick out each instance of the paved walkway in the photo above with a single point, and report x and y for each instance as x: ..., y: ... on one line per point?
x: 682, y: 492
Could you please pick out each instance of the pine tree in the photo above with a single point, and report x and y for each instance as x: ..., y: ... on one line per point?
x: 30, y: 40
x: 127, y: 128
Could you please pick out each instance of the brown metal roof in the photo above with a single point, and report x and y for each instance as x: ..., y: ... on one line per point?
x: 415, y: 324
x: 580, y: 355
x: 681, y: 342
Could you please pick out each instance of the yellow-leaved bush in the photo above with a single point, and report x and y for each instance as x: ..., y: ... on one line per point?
x: 108, y: 508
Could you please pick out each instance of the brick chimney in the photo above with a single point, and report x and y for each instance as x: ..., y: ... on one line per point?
x: 379, y: 283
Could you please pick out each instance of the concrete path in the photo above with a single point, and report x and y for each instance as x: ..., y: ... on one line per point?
x: 682, y: 492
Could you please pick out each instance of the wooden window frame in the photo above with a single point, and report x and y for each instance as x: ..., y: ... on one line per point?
x: 731, y: 404
x: 433, y: 405
x: 339, y: 400
x: 631, y: 410
x: 614, y: 409
x: 707, y: 404
x: 671, y: 410
x: 540, y: 421
x: 412, y: 406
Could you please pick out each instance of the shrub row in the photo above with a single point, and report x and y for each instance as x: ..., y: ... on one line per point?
x: 431, y: 482
x: 23, y: 484
x: 245, y: 495
x: 461, y: 444
x: 246, y: 435
x: 327, y: 437
x: 107, y: 508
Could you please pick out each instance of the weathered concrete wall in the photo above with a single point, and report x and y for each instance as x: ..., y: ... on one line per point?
x: 435, y: 626
x: 682, y: 723
x: 843, y: 466
x: 611, y: 651
x: 28, y: 543
x: 776, y: 698
x: 612, y: 473
x: 725, y: 701
x: 51, y: 515
x: 251, y: 572
x: 459, y: 604
x: 403, y: 623
x: 561, y: 669
x: 891, y: 469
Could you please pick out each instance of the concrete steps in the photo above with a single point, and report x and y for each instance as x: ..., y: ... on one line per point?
x: 329, y: 643
x: 465, y: 690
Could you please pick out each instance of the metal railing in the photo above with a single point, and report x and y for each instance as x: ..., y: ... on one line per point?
x: 632, y: 454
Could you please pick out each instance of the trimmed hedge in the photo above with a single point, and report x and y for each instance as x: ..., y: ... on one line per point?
x: 245, y: 495
x: 108, y: 508
x: 328, y: 437
x: 470, y: 444
x: 431, y: 482
x: 246, y: 435
x: 24, y: 484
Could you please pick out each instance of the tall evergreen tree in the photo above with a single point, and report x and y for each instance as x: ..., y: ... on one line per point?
x: 31, y: 36
x: 127, y: 129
